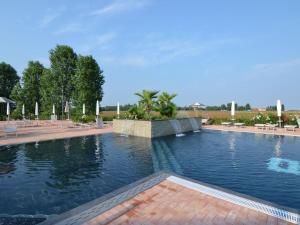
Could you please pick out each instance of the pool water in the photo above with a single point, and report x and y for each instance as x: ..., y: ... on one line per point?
x: 55, y: 176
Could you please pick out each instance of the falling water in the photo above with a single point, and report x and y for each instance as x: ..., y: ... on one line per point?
x: 195, y: 125
x: 177, y: 128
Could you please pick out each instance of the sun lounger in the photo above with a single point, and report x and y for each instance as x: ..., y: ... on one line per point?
x: 271, y: 126
x: 260, y: 126
x: 239, y: 124
x: 10, y: 129
x: 226, y: 124
x: 290, y: 127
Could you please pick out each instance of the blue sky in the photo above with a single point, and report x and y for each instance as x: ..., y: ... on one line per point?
x: 207, y: 51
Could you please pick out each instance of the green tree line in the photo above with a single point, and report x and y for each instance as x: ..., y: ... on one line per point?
x: 71, y: 79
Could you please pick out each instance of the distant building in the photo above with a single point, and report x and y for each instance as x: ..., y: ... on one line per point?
x: 198, y: 106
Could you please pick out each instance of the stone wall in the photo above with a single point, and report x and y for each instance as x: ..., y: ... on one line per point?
x: 157, y: 128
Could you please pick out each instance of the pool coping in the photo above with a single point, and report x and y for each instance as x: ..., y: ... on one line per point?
x: 251, y: 132
x: 100, y: 205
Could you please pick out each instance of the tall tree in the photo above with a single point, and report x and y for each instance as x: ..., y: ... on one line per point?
x: 63, y: 66
x: 31, y: 84
x: 50, y: 93
x: 88, y: 83
x: 8, y: 79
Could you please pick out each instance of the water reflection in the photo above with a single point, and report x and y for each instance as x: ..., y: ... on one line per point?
x: 277, y: 146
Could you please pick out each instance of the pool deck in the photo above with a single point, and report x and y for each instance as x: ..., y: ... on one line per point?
x: 167, y: 199
x: 46, y: 131
x: 251, y: 129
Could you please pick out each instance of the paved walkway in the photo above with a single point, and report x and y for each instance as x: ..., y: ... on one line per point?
x: 251, y: 129
x: 176, y: 201
x: 45, y: 131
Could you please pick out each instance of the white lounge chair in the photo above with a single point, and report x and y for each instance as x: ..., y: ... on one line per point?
x: 239, y: 124
x: 10, y: 129
x: 290, y: 127
x: 271, y: 126
x: 260, y: 126
x: 227, y: 124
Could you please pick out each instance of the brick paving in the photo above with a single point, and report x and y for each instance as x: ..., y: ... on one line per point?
x: 169, y: 203
x: 43, y: 131
x: 251, y: 129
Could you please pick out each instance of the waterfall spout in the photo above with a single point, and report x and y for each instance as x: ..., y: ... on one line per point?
x: 196, y: 127
x: 177, y: 128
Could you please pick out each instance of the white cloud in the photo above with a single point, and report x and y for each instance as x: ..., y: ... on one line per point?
x: 276, y: 69
x: 102, y: 41
x: 158, y: 51
x: 70, y: 28
x: 50, y: 16
x: 120, y: 6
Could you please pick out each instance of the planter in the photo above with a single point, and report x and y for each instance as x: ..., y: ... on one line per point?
x: 156, y: 128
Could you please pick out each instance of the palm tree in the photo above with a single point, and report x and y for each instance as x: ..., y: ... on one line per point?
x: 147, y: 100
x: 165, y: 105
x: 166, y: 98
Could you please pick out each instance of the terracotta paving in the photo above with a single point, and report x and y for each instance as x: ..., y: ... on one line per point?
x: 169, y: 203
x: 250, y: 129
x: 46, y: 131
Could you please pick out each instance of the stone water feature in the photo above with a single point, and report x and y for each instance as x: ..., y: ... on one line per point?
x: 155, y: 128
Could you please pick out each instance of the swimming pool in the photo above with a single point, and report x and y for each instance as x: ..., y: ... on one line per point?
x: 54, y: 176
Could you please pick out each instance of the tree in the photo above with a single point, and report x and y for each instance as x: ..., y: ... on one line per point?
x: 50, y: 93
x: 31, y: 84
x: 63, y: 66
x: 18, y: 96
x: 147, y: 100
x: 88, y: 83
x: 247, y: 107
x: 165, y: 105
x: 8, y: 79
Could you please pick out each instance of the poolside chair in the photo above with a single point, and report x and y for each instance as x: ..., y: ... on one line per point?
x: 241, y: 125
x: 260, y: 126
x: 290, y: 127
x: 227, y: 124
x: 10, y: 129
x: 270, y: 126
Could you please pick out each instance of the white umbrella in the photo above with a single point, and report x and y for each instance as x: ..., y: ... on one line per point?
x: 232, y: 108
x: 67, y: 107
x: 53, y: 109
x: 97, y: 108
x: 23, y: 110
x: 36, y: 109
x: 83, y: 109
x: 279, y: 108
x: 118, y: 109
x: 7, y: 109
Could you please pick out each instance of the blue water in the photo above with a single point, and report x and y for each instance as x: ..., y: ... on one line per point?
x: 55, y: 176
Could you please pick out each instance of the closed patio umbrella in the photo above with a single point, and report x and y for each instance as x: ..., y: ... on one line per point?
x: 36, y: 110
x: 83, y: 109
x: 279, y: 109
x: 53, y: 109
x: 97, y: 108
x: 67, y: 109
x: 232, y: 109
x: 7, y: 110
x: 23, y: 111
